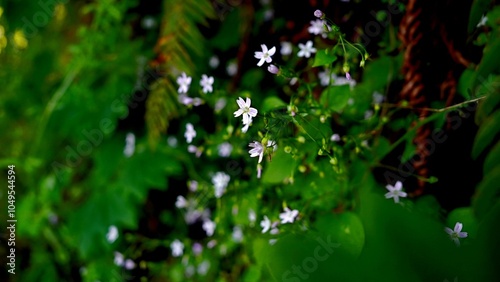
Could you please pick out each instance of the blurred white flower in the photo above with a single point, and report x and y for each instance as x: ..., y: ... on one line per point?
x: 203, y: 267
x: 257, y: 150
x: 317, y: 27
x: 129, y: 264
x: 129, y: 145
x: 265, y: 55
x: 220, y: 104
x: 177, y: 248
x: 237, y: 234
x: 306, y: 50
x: 195, y: 150
x: 197, y: 248
x: 288, y: 215
x: 286, y: 48
x: 193, y: 185
x: 190, y: 132
x: 213, y: 62
x: 265, y: 224
x: 252, y: 216
x: 206, y: 82
x: 184, y: 81
x: 232, y: 68
x: 209, y: 227
x: 118, y: 259
x: 112, y: 234
x: 220, y: 181
x: 172, y: 141
x: 180, y: 202
x: 225, y: 149
x: 335, y: 138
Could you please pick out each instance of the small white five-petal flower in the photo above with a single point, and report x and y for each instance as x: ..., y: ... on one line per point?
x: 112, y: 234
x: 288, y: 215
x: 395, y: 191
x: 220, y: 181
x: 184, y: 81
x: 207, y: 82
x: 265, y: 55
x: 306, y: 50
x: 190, y: 133
x: 245, y: 110
x: 456, y: 234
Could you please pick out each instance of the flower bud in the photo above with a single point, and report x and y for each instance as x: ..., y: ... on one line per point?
x: 318, y: 14
x: 273, y: 69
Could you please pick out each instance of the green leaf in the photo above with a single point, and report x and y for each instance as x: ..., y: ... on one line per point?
x: 324, y: 57
x: 345, y: 228
x: 487, y: 193
x: 465, y: 83
x: 486, y: 134
x: 272, y: 102
x: 336, y: 97
x: 489, y: 62
x: 492, y: 160
x: 279, y: 168
x: 491, y: 88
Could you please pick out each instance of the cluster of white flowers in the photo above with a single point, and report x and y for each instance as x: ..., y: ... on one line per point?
x: 121, y: 261
x: 184, y: 82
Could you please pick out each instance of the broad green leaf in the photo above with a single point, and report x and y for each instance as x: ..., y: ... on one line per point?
x: 345, y: 228
x: 489, y: 62
x: 272, y: 102
x: 279, y: 168
x: 492, y: 160
x: 336, y: 97
x: 324, y: 57
x: 487, y: 193
x: 410, y: 149
x: 486, y: 134
x: 491, y: 88
x: 465, y: 83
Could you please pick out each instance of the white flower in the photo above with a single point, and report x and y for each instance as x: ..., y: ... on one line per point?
x: 232, y: 68
x: 245, y: 110
x: 220, y: 104
x: 197, y: 248
x: 206, y: 82
x: 195, y: 150
x: 220, y: 181
x: 184, y: 81
x: 112, y: 234
x: 129, y: 264
x: 288, y: 215
x: 318, y: 13
x: 273, y: 69
x: 214, y: 62
x: 306, y: 50
x: 286, y: 48
x: 324, y: 78
x: 209, y: 227
x: 317, y: 27
x: 395, y: 191
x: 335, y: 138
x: 237, y: 234
x: 225, y: 149
x: 118, y: 259
x: 203, y: 267
x: 190, y: 133
x: 193, y: 185
x: 129, y: 145
x: 245, y: 127
x: 271, y: 143
x: 257, y: 150
x: 177, y: 248
x: 265, y: 224
x: 252, y: 216
x: 172, y: 141
x: 340, y: 80
x: 377, y: 98
x: 483, y: 21
x: 180, y: 202
x: 265, y: 55
x: 456, y: 233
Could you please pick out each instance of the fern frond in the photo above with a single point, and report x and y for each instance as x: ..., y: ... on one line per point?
x: 179, y: 44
